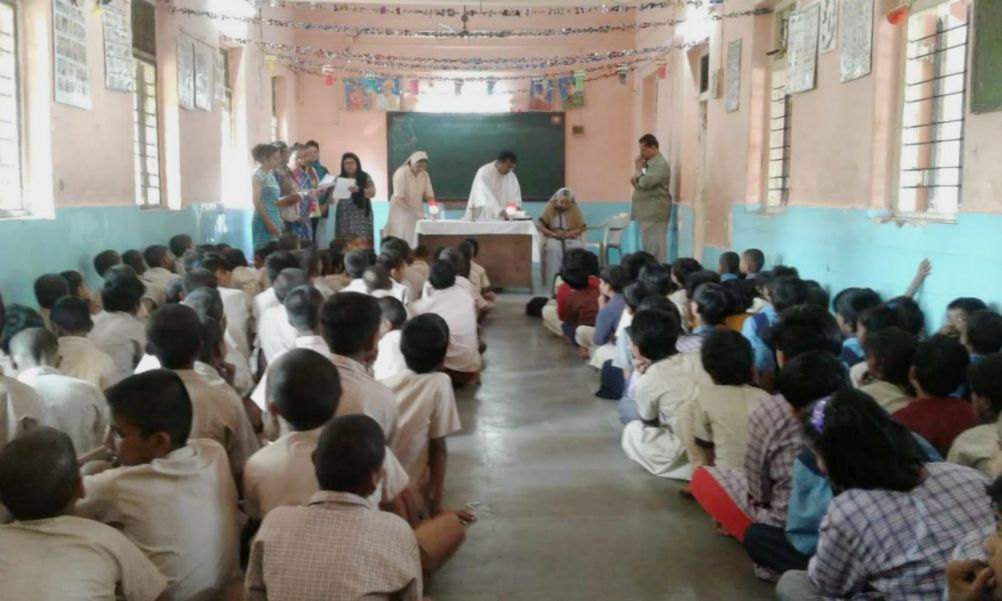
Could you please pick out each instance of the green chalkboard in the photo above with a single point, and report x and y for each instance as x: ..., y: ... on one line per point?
x: 459, y: 144
x: 987, y: 75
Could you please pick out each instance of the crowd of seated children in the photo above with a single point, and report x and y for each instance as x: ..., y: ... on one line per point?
x: 187, y: 456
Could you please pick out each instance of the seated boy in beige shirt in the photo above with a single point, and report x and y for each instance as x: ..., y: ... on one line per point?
x: 172, y: 496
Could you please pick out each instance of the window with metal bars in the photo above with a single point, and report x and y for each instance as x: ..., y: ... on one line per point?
x: 11, y: 183
x: 147, y: 136
x: 146, y: 127
x: 932, y: 122
x: 780, y: 113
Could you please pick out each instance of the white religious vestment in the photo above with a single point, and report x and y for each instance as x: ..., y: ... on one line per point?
x: 491, y: 193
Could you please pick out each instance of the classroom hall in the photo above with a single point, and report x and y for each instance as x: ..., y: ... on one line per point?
x: 275, y: 167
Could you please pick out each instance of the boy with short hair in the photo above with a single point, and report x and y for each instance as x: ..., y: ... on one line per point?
x: 48, y: 553
x: 378, y: 283
x: 164, y: 477
x: 80, y: 357
x: 236, y: 303
x: 782, y: 292
x: 982, y: 335
x: 350, y: 324
x: 161, y: 270
x: 274, y: 334
x: 74, y: 406
x: 427, y: 407
x: 411, y: 278
x: 341, y: 520
x: 478, y: 275
x: 667, y: 383
x: 180, y: 244
x: 245, y: 278
x: 395, y: 266
x: 356, y: 262
x: 274, y: 264
x: 175, y: 338
x: 117, y: 331
x: 581, y: 306
x: 939, y: 370
x: 976, y: 447
x: 752, y: 263
x: 454, y: 305
x: 849, y: 305
x: 721, y: 411
x: 48, y: 289
x: 610, y: 309
x: 729, y: 266
x: 957, y: 313
x: 889, y: 355
x: 709, y: 307
x: 420, y: 263
x: 390, y: 360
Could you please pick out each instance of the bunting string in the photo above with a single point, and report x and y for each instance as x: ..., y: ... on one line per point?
x: 452, y: 12
x: 446, y: 34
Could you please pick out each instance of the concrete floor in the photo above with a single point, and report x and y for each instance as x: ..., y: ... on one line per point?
x: 563, y: 513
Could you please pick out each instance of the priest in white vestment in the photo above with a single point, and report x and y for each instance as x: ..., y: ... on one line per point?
x: 494, y: 188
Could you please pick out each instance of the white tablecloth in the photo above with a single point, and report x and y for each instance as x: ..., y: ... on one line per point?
x: 459, y: 227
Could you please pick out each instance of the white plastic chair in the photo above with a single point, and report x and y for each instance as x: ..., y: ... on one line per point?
x: 612, y: 237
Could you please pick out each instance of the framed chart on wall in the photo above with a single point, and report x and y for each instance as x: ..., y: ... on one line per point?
x: 802, y: 54
x: 828, y: 35
x: 119, y: 70
x: 732, y: 77
x: 203, y: 76
x: 185, y: 72
x: 69, y: 40
x: 857, y: 38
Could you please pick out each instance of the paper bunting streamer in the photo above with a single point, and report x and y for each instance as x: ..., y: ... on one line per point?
x: 444, y: 34
x: 552, y: 11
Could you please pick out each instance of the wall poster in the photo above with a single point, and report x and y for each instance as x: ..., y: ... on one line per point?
x: 857, y: 38
x: 69, y: 39
x: 802, y: 54
x: 732, y: 77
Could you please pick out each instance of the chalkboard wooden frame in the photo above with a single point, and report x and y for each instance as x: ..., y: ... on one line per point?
x: 453, y: 201
x: 986, y: 65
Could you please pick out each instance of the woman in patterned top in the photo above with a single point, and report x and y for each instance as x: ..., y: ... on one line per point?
x: 895, y: 520
x: 354, y: 214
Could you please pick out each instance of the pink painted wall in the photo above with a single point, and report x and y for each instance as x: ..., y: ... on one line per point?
x: 599, y: 162
x: 89, y: 160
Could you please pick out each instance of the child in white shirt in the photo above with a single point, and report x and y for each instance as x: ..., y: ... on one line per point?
x: 236, y: 303
x: 175, y: 338
x: 172, y: 495
x: 74, y: 406
x: 355, y: 264
x: 427, y: 407
x: 395, y: 265
x: 48, y: 289
x: 390, y: 360
x: 47, y: 553
x: 274, y: 334
x: 79, y: 357
x: 456, y: 307
x: 274, y: 264
x: 117, y: 331
x: 378, y: 283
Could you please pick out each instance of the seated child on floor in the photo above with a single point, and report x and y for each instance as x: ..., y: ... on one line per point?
x: 849, y: 304
x: 47, y: 552
x: 889, y: 356
x: 977, y: 446
x: 720, y: 429
x: 163, y: 478
x: 708, y: 308
x: 667, y: 382
x: 957, y: 313
x: 938, y: 373
x: 453, y: 304
x: 871, y: 321
x: 80, y: 356
x: 580, y: 308
x: 48, y: 289
x: 395, y: 265
x: 427, y: 409
x: 982, y: 335
x: 896, y: 520
x: 390, y: 360
x: 729, y: 266
x: 752, y: 262
x: 781, y: 292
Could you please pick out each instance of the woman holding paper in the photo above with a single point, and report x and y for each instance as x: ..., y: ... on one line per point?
x: 306, y: 180
x: 411, y: 188
x: 354, y: 214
